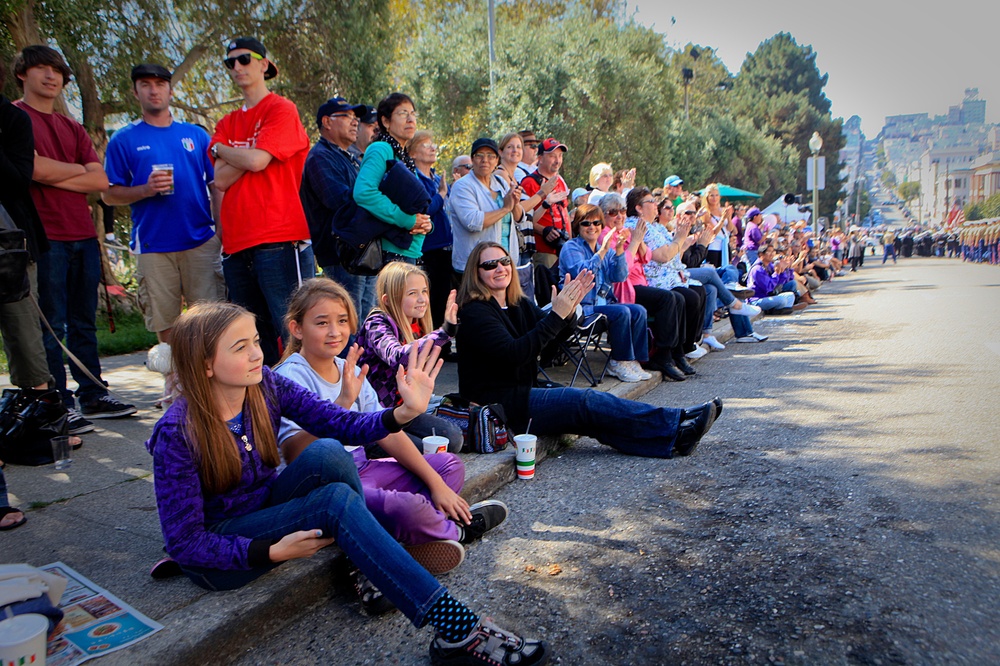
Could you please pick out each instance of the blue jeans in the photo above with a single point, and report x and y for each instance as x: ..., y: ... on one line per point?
x: 360, y: 287
x: 68, y: 275
x: 262, y: 279
x: 626, y: 330
x: 889, y: 250
x: 782, y: 300
x: 633, y: 428
x: 4, y: 502
x: 321, y: 490
x: 741, y: 325
x: 751, y: 256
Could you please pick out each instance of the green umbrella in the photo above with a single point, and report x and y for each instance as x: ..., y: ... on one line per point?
x: 730, y: 192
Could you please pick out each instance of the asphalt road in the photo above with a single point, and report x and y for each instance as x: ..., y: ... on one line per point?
x: 844, y: 510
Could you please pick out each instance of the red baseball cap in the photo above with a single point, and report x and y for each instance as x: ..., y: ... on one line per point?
x: 549, y: 145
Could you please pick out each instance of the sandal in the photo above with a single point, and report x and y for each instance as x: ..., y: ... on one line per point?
x: 6, y: 511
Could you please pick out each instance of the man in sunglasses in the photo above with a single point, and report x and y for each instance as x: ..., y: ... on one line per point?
x: 259, y: 152
x: 328, y: 192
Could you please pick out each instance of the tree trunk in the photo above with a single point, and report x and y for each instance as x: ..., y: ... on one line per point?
x: 23, y: 28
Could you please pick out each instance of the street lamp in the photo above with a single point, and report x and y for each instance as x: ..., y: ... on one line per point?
x: 815, y: 144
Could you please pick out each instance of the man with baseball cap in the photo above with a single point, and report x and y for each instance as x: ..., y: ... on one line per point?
x: 367, y: 129
x: 672, y: 186
x: 550, y: 219
x: 259, y: 151
x: 160, y: 167
x: 327, y: 193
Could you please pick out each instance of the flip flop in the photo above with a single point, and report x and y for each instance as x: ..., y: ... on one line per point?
x: 7, y: 510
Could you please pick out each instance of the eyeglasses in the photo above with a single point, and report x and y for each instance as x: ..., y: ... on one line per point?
x: 406, y: 115
x: 485, y: 156
x: 616, y: 211
x: 646, y: 201
x: 590, y: 223
x: 353, y: 117
x: 492, y: 264
x: 463, y: 166
x: 243, y: 59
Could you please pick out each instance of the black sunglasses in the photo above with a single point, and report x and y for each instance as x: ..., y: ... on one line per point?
x: 590, y: 223
x: 616, y: 211
x: 688, y: 212
x: 492, y: 264
x: 463, y: 166
x: 244, y: 59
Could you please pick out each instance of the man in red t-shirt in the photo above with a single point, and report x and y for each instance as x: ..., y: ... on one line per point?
x: 66, y: 170
x: 259, y: 152
x: 551, y: 217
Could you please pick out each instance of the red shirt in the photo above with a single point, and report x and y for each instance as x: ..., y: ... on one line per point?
x: 65, y: 215
x: 556, y: 216
x: 264, y: 206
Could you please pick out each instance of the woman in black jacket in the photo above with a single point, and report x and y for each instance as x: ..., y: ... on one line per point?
x: 501, y: 334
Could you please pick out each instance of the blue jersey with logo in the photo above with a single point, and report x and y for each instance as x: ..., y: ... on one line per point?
x: 165, y: 222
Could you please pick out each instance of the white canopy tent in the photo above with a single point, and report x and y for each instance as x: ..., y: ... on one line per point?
x: 786, y: 213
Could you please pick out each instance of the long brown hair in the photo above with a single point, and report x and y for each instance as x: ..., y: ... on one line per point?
x: 391, y: 284
x: 310, y: 293
x: 472, y: 287
x: 194, y: 342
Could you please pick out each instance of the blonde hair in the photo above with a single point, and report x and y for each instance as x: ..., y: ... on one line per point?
x: 389, y: 290
x: 473, y: 288
x: 418, y: 138
x: 308, y: 296
x: 711, y: 187
x: 195, y: 341
x: 598, y: 170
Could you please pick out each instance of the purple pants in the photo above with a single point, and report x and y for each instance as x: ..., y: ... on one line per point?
x: 402, y: 504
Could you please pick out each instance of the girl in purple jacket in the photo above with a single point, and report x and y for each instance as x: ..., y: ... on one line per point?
x: 402, y: 319
x: 228, y: 516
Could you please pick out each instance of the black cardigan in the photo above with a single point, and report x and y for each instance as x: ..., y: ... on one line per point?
x: 498, y: 351
x: 17, y: 164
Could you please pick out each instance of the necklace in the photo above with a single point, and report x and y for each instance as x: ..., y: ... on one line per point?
x: 237, y: 430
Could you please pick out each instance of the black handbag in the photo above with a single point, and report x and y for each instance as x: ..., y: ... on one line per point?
x: 367, y: 259
x: 14, y: 285
x: 28, y: 421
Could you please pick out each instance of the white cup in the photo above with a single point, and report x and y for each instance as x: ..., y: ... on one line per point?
x: 23, y: 639
x: 435, y: 444
x: 525, y: 457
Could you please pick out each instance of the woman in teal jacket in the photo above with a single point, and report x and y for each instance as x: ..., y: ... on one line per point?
x: 397, y: 121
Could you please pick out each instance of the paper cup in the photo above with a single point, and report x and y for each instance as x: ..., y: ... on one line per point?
x: 525, y: 456
x: 435, y: 444
x: 60, y: 451
x: 23, y: 639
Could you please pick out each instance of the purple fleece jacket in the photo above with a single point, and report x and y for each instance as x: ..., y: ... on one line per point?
x: 763, y: 282
x: 187, y: 510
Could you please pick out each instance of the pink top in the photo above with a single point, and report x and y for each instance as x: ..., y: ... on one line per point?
x: 625, y: 291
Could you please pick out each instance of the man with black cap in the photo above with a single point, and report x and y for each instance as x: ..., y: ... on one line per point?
x: 327, y: 193
x: 367, y: 129
x: 259, y: 152
x: 550, y: 217
x: 160, y: 167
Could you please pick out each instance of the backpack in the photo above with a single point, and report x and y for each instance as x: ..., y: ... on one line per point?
x: 484, y: 426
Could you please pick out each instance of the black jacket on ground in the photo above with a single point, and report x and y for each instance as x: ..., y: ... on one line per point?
x: 498, y: 351
x: 17, y: 164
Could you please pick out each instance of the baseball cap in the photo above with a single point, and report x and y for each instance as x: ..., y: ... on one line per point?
x: 254, y: 45
x: 579, y: 192
x: 370, y: 116
x: 549, y: 145
x: 148, y: 71
x: 485, y: 142
x: 672, y: 181
x: 338, y: 105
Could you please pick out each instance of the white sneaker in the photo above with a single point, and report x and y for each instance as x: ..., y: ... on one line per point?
x: 620, y: 370
x: 697, y: 353
x: 753, y: 337
x: 746, y: 310
x: 713, y: 343
x: 637, y: 370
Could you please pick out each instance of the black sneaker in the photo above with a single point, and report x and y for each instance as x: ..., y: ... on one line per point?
x: 373, y: 602
x: 106, y: 407
x: 485, y: 516
x: 76, y: 424
x: 489, y: 644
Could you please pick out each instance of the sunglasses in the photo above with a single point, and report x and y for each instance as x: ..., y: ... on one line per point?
x: 244, y: 60
x: 616, y: 211
x: 463, y: 166
x: 688, y: 212
x: 667, y: 208
x: 492, y: 264
x: 590, y: 223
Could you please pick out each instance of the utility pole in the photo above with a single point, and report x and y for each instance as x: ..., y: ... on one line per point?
x: 492, y: 36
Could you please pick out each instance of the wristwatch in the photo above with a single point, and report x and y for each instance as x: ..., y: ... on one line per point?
x: 215, y: 150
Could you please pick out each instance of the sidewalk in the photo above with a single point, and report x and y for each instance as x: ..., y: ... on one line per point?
x: 99, y: 517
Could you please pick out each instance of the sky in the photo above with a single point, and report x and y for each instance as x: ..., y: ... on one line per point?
x: 883, y: 58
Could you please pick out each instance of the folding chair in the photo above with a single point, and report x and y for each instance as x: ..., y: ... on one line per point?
x: 587, y: 334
